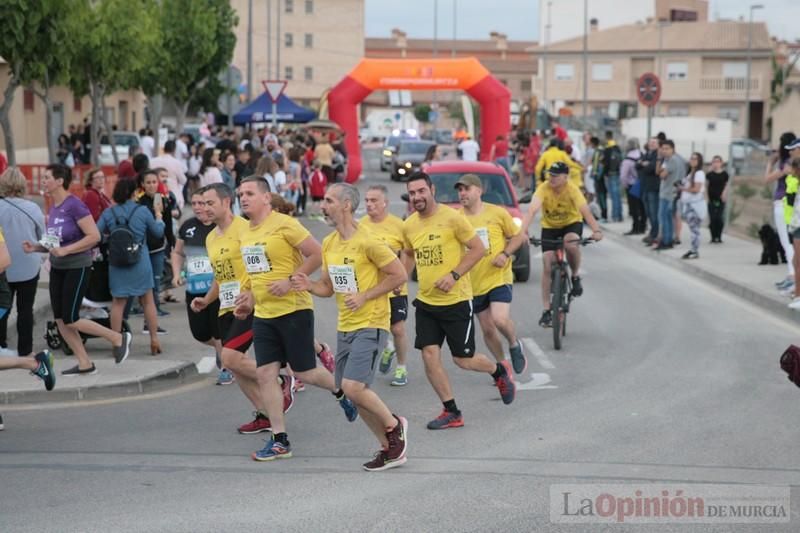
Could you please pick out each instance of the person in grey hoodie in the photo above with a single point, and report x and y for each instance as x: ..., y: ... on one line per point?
x: 629, y: 179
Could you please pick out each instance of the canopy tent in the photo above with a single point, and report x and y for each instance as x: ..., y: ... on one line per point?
x: 260, y: 110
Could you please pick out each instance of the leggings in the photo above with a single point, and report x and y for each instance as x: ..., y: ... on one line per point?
x: 25, y: 292
x: 694, y: 221
x: 67, y: 289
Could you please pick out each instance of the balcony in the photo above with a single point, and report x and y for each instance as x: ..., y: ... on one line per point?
x: 731, y: 88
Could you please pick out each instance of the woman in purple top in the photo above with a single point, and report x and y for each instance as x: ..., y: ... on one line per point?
x: 69, y: 238
x: 777, y: 169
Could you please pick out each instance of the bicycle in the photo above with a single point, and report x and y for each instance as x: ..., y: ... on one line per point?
x: 560, y: 286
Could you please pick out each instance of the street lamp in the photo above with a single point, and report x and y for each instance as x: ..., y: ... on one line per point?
x: 753, y: 7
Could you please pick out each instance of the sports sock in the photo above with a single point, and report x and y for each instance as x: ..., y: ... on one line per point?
x: 283, y: 438
x: 499, y: 371
x: 450, y: 406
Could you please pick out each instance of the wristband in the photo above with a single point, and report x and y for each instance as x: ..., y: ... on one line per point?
x: 506, y: 254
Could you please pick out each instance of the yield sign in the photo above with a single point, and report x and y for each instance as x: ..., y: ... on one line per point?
x: 274, y: 88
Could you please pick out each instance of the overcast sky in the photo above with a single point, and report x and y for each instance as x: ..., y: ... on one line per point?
x: 519, y: 19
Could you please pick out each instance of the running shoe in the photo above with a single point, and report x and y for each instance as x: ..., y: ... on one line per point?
x: 287, y: 387
x: 386, y: 360
x: 577, y: 287
x: 225, y: 377
x: 505, y: 384
x: 518, y: 359
x: 447, y: 420
x: 326, y: 358
x: 2, y: 427
x: 45, y: 369
x: 350, y: 409
x: 159, y: 331
x: 547, y: 319
x: 122, y: 351
x: 795, y: 303
x: 398, y: 442
x: 400, y: 377
x: 690, y: 255
x: 273, y: 450
x: 259, y: 424
x: 378, y: 462
x: 785, y: 284
x: 162, y: 313
x: 78, y: 371
x: 299, y: 386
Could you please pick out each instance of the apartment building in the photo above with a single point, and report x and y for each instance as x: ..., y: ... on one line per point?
x: 702, y: 67
x: 312, y: 44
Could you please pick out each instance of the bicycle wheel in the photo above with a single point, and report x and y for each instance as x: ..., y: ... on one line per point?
x: 557, y: 295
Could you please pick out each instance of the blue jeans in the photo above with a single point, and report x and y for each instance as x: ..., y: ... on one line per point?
x: 665, y: 220
x: 613, y: 185
x: 157, y: 262
x: 650, y: 199
x: 503, y: 162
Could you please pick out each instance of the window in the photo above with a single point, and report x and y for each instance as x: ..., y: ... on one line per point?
x: 308, y: 73
x: 288, y: 40
x: 734, y: 70
x: 309, y: 40
x: 27, y: 100
x: 678, y: 111
x: 288, y: 6
x: 564, y: 71
x: 730, y: 112
x: 682, y: 15
x: 525, y: 86
x: 309, y: 6
x: 288, y: 73
x: 602, y: 71
x: 77, y: 104
x: 677, y: 71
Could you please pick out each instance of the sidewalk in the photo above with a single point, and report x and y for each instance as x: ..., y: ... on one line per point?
x: 731, y: 266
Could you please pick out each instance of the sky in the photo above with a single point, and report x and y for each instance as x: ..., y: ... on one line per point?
x: 475, y: 21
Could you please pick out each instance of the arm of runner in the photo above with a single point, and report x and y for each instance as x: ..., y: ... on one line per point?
x: 515, y: 237
x: 91, y: 236
x: 201, y: 302
x: 394, y: 275
x: 407, y: 260
x: 312, y: 254
x: 322, y: 287
x: 176, y: 261
x: 245, y: 303
x: 597, y: 234
x: 475, y: 251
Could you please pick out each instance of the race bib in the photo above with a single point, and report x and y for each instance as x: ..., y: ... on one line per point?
x: 255, y: 259
x: 198, y: 265
x: 343, y: 278
x: 228, y: 292
x: 483, y: 233
x: 50, y: 241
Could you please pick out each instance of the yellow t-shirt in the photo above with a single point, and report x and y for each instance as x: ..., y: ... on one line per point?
x: 2, y: 238
x: 269, y: 253
x: 552, y: 155
x: 354, y: 266
x: 390, y: 231
x: 560, y: 210
x: 438, y: 243
x: 494, y: 226
x: 226, y: 260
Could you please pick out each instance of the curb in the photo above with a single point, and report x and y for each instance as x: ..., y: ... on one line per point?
x: 774, y: 306
x: 182, y: 374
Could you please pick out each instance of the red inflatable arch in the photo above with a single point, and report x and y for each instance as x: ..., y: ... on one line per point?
x: 428, y: 74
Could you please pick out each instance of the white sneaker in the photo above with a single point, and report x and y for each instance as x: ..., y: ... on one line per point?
x: 8, y: 352
x: 795, y: 303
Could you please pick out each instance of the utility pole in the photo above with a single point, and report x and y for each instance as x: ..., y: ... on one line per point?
x: 753, y: 7
x: 278, y: 45
x: 585, y: 59
x: 249, y: 50
x: 544, y: 59
x: 269, y: 40
x: 435, y: 105
x: 455, y: 18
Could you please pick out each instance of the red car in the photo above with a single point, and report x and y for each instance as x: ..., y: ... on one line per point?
x: 497, y: 189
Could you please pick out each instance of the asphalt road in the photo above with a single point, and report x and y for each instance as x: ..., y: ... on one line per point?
x: 662, y: 379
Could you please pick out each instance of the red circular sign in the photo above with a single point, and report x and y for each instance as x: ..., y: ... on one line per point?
x: 648, y: 89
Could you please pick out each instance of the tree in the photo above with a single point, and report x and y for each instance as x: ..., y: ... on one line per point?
x: 111, y: 53
x: 422, y: 112
x: 32, y: 41
x: 199, y: 38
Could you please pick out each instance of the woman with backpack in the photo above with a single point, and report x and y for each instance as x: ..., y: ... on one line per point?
x: 130, y: 272
x: 70, y: 236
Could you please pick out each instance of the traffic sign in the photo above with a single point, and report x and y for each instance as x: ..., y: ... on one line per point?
x: 648, y: 89
x: 274, y: 88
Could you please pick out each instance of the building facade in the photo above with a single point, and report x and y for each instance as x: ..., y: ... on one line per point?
x: 702, y: 66
x: 312, y: 44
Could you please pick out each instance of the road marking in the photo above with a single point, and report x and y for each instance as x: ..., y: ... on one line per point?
x: 206, y: 365
x: 539, y: 381
x: 537, y: 352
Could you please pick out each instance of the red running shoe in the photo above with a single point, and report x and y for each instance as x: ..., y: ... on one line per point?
x: 258, y: 425
x: 447, y: 420
x: 287, y: 387
x: 326, y: 358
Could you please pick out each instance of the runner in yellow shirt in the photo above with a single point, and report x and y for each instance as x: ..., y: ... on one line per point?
x: 563, y: 209
x: 389, y: 229
x: 445, y: 247
x: 492, y: 279
x: 222, y: 246
x: 274, y: 248
x: 361, y: 271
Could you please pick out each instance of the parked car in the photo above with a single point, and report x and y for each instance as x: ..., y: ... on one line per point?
x: 408, y: 158
x: 497, y: 189
x: 391, y: 143
x: 748, y: 156
x: 124, y: 141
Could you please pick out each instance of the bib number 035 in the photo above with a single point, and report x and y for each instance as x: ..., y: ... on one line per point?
x: 343, y: 278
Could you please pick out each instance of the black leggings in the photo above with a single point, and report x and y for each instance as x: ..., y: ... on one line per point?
x: 25, y: 292
x: 67, y: 289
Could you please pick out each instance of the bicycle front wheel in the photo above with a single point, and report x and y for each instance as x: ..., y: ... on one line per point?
x: 556, y: 306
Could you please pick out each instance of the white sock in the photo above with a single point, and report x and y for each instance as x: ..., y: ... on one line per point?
x: 390, y: 345
x: 401, y: 367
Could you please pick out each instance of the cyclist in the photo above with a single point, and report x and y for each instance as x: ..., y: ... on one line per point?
x: 564, y: 209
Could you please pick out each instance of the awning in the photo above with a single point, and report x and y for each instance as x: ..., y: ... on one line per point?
x: 260, y: 110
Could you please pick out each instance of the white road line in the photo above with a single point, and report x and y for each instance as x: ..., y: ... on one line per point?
x: 537, y: 352
x: 206, y: 365
x: 538, y: 381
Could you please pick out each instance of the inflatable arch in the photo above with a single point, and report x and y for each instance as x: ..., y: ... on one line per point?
x: 466, y: 74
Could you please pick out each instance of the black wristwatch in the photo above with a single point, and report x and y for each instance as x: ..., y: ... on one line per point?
x: 456, y: 275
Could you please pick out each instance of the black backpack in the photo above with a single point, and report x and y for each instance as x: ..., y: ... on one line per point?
x: 613, y: 159
x: 123, y: 248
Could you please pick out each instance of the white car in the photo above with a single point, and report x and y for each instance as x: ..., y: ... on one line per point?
x: 124, y: 140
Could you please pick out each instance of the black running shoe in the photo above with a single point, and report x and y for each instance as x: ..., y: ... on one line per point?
x: 577, y: 288
x: 547, y: 319
x: 45, y: 369
x: 78, y: 371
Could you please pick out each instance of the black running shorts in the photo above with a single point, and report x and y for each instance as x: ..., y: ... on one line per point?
x: 237, y: 334
x: 435, y: 323
x: 286, y: 339
x: 399, y: 305
x: 205, y: 324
